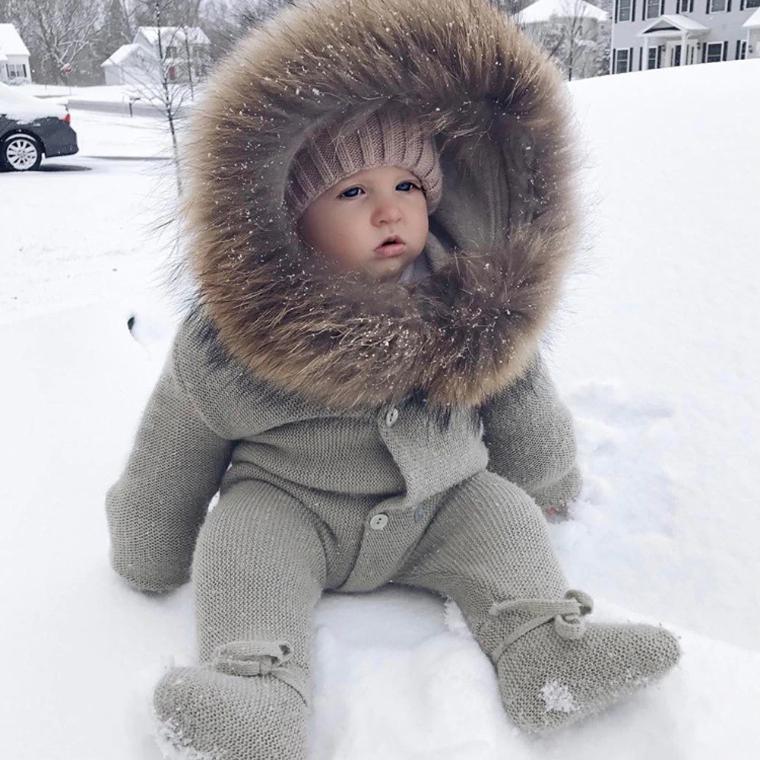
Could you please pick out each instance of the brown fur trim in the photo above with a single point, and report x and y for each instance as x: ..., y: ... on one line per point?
x: 507, y: 220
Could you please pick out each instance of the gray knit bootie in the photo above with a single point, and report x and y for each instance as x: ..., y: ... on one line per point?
x: 552, y: 675
x: 247, y: 703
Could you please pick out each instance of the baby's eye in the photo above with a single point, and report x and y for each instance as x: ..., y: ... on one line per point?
x: 348, y: 191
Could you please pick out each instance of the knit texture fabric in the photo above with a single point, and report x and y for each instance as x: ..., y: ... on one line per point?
x: 259, y: 570
x: 155, y: 509
x: 316, y: 499
x: 203, y: 714
x: 388, y: 137
x: 527, y: 454
x: 547, y: 682
x: 489, y: 550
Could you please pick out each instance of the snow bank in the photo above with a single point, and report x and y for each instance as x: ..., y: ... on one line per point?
x: 654, y: 349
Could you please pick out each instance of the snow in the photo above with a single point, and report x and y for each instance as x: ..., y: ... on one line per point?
x: 121, y: 54
x: 544, y: 10
x: 557, y: 697
x: 174, y: 35
x: 19, y: 105
x: 113, y: 98
x: 678, y: 20
x: 10, y: 41
x: 107, y: 93
x: 654, y: 348
x: 753, y: 22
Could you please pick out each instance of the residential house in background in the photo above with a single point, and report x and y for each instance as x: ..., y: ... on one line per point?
x: 14, y: 57
x: 129, y: 64
x: 568, y: 29
x: 651, y: 34
x: 185, y: 54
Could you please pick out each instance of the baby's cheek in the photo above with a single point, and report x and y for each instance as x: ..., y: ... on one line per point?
x: 348, y: 258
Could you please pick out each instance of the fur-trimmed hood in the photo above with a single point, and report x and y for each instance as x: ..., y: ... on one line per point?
x: 499, y: 241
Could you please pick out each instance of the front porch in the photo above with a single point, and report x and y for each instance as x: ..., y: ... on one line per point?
x: 752, y: 25
x: 672, y: 40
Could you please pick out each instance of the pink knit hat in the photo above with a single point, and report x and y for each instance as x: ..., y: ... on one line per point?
x: 386, y: 137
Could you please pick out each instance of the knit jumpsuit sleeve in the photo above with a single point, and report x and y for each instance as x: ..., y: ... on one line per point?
x: 156, y: 507
x: 530, y: 436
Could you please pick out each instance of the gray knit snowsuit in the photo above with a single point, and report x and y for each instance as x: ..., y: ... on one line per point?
x: 411, y: 435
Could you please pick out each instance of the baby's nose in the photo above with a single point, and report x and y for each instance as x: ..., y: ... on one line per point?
x: 389, y: 212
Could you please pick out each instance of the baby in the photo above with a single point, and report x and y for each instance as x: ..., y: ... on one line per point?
x: 359, y: 377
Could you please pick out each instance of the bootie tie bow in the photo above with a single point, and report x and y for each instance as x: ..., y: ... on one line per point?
x: 567, y: 613
x: 260, y: 658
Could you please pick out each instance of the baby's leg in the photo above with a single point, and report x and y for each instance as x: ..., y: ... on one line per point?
x: 258, y: 572
x: 488, y: 549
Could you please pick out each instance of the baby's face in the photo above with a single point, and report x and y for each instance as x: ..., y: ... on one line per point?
x: 348, y: 221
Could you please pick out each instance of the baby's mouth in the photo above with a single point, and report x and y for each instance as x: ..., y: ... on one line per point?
x: 393, y: 245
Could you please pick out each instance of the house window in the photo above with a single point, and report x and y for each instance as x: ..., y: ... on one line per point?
x: 717, y: 5
x: 741, y: 50
x: 686, y: 6
x: 622, y: 61
x: 16, y: 70
x: 653, y: 8
x: 624, y: 10
x: 171, y: 51
x: 714, y: 52
x: 652, y: 60
x: 752, y: 4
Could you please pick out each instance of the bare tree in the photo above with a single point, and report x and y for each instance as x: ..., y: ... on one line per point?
x: 510, y: 7
x: 226, y: 21
x: 163, y: 77
x: 116, y: 30
x: 571, y: 38
x: 60, y: 33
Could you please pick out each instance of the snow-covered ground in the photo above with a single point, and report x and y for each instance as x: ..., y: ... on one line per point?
x: 146, y: 100
x: 655, y: 350
x: 113, y: 93
x: 83, y: 228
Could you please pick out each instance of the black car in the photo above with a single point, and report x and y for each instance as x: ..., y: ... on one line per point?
x: 29, y: 128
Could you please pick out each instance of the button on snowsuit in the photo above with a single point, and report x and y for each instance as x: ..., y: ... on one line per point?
x: 404, y: 432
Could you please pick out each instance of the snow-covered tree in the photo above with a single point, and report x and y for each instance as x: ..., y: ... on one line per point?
x: 59, y: 33
x: 574, y: 34
x: 116, y: 30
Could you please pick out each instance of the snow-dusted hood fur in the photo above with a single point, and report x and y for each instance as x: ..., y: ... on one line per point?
x: 499, y: 241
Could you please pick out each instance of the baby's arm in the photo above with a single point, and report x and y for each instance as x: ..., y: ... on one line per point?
x: 530, y: 436
x: 156, y: 507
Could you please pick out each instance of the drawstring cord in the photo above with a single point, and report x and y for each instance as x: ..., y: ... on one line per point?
x: 567, y: 613
x: 259, y: 658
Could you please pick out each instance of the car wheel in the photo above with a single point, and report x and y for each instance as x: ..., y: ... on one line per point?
x: 21, y: 153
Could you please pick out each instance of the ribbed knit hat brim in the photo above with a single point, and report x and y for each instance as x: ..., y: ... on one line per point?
x: 385, y: 138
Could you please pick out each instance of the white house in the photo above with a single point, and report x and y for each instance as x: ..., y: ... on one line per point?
x: 574, y: 25
x: 751, y: 42
x: 14, y: 57
x: 185, y: 53
x: 130, y: 64
x: 651, y: 34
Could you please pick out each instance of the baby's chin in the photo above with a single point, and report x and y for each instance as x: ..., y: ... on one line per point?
x: 388, y: 270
